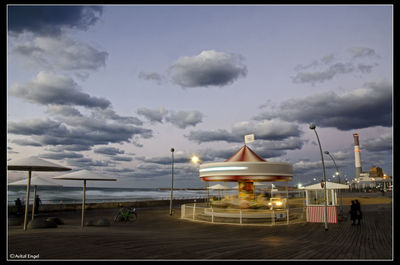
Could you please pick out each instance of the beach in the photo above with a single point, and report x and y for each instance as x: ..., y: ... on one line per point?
x: 158, y: 236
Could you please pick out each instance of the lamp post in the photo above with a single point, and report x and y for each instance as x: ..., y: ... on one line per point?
x: 196, y: 160
x: 172, y: 182
x: 312, y: 127
x: 337, y: 174
x: 337, y: 170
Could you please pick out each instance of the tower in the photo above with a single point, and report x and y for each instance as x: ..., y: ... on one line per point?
x: 357, y: 155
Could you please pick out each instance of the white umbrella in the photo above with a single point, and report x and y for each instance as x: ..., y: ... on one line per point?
x: 30, y: 164
x: 218, y: 187
x: 35, y: 181
x: 84, y: 175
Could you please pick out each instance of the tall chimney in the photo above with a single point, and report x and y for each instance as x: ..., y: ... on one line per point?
x: 357, y: 155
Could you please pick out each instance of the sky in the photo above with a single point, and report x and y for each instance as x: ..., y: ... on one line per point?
x: 112, y: 88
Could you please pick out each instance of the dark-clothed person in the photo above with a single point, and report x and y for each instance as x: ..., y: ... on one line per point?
x: 358, y: 212
x: 352, y: 212
x: 18, y: 204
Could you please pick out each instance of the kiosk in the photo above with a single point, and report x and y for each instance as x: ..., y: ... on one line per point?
x: 315, y: 201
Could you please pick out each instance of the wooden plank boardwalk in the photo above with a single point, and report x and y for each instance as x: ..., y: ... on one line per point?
x: 158, y: 236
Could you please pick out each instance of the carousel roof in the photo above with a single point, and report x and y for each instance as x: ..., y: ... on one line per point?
x: 245, y: 154
x: 246, y: 165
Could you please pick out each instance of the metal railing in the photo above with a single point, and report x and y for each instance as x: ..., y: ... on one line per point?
x: 202, y: 212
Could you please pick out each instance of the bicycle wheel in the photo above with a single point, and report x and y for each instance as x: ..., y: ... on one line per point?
x: 132, y: 217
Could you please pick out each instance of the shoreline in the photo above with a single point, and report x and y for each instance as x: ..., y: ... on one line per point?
x: 363, y: 198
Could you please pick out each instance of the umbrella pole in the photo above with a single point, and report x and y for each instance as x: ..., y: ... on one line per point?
x: 27, y: 199
x: 34, y: 203
x: 83, y: 202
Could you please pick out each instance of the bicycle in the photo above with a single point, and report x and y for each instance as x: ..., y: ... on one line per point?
x: 125, y: 215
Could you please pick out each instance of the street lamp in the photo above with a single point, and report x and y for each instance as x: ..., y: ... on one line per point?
x: 312, y: 127
x: 196, y: 160
x: 172, y: 182
x: 337, y: 170
x: 337, y: 174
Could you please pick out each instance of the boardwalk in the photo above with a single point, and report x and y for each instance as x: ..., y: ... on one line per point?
x: 158, y: 236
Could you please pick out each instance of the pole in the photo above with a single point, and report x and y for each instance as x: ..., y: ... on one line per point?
x: 340, y: 191
x: 34, y: 203
x: 172, y: 182
x: 312, y: 127
x: 83, y: 202
x: 27, y: 199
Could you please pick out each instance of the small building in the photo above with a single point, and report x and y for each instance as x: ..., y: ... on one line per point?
x: 315, y: 201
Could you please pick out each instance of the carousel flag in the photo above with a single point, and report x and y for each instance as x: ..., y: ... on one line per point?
x: 249, y: 138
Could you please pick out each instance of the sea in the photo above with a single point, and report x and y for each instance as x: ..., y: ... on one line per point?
x: 66, y: 195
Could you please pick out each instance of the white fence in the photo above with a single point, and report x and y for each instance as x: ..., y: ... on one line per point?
x: 204, y: 213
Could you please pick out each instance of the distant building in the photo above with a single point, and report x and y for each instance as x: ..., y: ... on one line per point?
x: 375, y: 172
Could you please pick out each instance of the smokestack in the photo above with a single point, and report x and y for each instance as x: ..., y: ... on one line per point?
x: 357, y: 155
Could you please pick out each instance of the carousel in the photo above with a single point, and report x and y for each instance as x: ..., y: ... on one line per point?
x: 246, y: 169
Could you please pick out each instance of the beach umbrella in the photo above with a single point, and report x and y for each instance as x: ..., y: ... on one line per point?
x: 84, y: 175
x: 218, y: 187
x: 35, y: 181
x: 30, y: 164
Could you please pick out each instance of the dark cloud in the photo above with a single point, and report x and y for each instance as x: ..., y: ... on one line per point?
x: 122, y: 158
x: 201, y: 136
x: 108, y: 151
x: 183, y: 119
x: 61, y: 155
x: 382, y: 143
x: 365, y: 107
x: 81, y: 132
x: 263, y: 130
x: 50, y: 20
x: 60, y: 54
x: 153, y: 115
x: 49, y: 88
x: 180, y: 119
x: 209, y: 68
x: 87, y: 163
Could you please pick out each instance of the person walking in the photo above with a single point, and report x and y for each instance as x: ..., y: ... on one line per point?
x: 19, y: 207
x: 353, y: 212
x: 37, y: 204
x: 358, y: 212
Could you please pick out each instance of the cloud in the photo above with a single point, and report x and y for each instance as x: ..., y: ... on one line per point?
x: 183, y: 119
x: 383, y: 142
x: 78, y: 133
x: 368, y: 106
x: 108, y: 151
x: 25, y: 142
x: 201, y: 136
x: 49, y: 88
x: 153, y: 115
x: 158, y: 78
x: 61, y: 155
x: 209, y: 68
x: 122, y: 158
x: 180, y: 119
x: 358, y: 52
x: 321, y: 76
x: 328, y: 67
x: 263, y: 130
x: 51, y: 20
x: 60, y: 53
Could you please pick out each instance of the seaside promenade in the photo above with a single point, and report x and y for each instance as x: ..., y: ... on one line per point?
x: 158, y: 236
